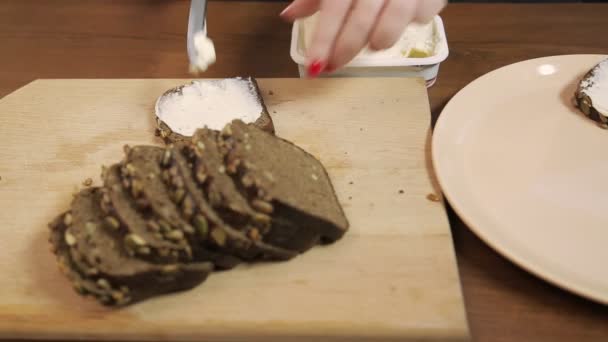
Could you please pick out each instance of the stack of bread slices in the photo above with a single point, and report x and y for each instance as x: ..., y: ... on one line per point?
x: 167, y: 217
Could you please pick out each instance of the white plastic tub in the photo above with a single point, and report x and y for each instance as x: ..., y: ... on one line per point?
x: 370, y: 66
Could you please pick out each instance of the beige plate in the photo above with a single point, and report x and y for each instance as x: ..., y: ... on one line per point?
x: 528, y: 173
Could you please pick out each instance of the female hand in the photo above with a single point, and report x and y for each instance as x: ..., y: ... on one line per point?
x: 345, y: 27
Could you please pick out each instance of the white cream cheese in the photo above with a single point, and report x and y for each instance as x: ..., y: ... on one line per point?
x: 596, y: 87
x: 210, y: 103
x: 205, y: 52
x: 418, y: 40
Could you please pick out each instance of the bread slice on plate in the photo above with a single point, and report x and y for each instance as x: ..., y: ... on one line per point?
x: 592, y: 94
x: 210, y: 103
x: 284, y: 181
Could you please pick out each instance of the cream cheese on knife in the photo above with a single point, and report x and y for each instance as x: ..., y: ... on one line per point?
x: 205, y: 53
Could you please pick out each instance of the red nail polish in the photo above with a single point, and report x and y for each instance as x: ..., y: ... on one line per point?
x: 315, y: 69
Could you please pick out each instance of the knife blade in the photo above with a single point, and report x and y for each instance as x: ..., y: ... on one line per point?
x: 196, y: 23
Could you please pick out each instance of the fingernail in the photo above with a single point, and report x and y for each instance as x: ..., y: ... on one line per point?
x: 315, y: 69
x: 285, y: 12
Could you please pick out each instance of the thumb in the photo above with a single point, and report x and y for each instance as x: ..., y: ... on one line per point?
x: 300, y: 9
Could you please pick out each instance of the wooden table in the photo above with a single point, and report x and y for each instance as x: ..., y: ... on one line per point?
x: 145, y: 39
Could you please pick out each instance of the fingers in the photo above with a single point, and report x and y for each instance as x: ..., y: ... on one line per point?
x: 395, y: 16
x: 300, y: 9
x: 430, y: 8
x: 331, y: 18
x: 344, y: 27
x: 356, y: 31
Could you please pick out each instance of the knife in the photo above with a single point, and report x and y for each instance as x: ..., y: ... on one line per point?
x: 196, y: 23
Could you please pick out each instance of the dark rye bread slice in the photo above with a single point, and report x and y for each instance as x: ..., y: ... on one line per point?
x: 220, y: 189
x: 142, y: 174
x: 178, y: 212
x: 98, y: 245
x: 207, y: 243
x: 67, y: 266
x: 139, y: 222
x: 264, y: 121
x: 221, y: 235
x: 279, y: 177
x: 584, y: 99
x: 143, y: 161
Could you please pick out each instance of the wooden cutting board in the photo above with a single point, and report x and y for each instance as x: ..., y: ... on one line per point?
x: 393, y: 276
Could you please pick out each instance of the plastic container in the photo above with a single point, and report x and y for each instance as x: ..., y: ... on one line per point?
x: 371, y: 66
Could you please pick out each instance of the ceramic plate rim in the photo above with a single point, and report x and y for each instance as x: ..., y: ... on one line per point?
x: 473, y: 221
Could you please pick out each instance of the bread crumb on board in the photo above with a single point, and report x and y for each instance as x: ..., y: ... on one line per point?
x: 432, y: 198
x: 87, y: 182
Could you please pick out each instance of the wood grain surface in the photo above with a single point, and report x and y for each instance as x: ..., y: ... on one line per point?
x: 393, y: 276
x: 145, y: 38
